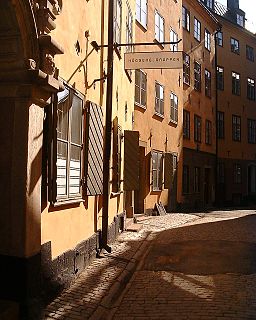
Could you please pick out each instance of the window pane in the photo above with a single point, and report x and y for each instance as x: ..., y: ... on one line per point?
x: 62, y: 114
x: 74, y: 170
x: 76, y: 128
x: 61, y: 168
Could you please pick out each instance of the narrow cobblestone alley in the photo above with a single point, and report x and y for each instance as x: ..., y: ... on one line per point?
x: 179, y: 266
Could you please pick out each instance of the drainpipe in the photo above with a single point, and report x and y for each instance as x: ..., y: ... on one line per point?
x: 108, y: 128
x: 216, y: 115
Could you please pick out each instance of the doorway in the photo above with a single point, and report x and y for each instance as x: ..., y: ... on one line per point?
x: 207, y: 186
x: 139, y: 195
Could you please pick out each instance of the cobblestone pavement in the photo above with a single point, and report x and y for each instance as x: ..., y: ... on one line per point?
x: 205, y: 269
x: 93, y: 293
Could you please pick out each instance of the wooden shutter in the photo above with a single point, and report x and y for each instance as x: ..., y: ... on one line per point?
x: 115, y: 157
x: 93, y: 150
x: 168, y: 170
x: 131, y: 160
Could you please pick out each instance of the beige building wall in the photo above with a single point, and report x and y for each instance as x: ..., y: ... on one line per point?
x: 66, y: 226
x: 199, y: 154
x: 232, y: 104
x: 156, y: 132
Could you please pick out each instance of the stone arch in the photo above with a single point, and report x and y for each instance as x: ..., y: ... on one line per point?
x: 18, y: 35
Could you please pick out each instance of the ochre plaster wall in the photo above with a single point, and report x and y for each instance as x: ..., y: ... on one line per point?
x: 165, y: 136
x: 66, y: 227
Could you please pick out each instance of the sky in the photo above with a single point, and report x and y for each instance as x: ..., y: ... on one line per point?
x: 249, y: 6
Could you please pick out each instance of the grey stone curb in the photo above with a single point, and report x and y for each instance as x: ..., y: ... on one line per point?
x: 109, y: 304
x: 103, y: 310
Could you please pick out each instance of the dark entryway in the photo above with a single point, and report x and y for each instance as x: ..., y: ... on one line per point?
x: 139, y: 195
x: 207, y: 186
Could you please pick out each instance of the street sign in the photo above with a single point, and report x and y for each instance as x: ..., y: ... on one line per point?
x: 153, y: 60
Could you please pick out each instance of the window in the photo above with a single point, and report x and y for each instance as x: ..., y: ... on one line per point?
x: 208, y: 83
x: 69, y: 144
x: 186, y: 68
x: 159, y: 27
x: 221, y: 173
x: 220, y: 78
x: 219, y: 38
x: 129, y: 24
x: 197, y: 179
x: 197, y: 128
x: 186, y: 124
x: 237, y: 173
x: 140, y: 88
x: 208, y: 132
x: 209, y: 4
x: 234, y: 45
x: 236, y: 87
x: 142, y: 12
x: 197, y: 29
x: 117, y: 21
x: 157, y: 170
x: 220, y: 125
x: 207, y: 40
x: 173, y: 38
x: 250, y: 89
x: 185, y: 19
x: 240, y: 20
x: 197, y: 75
x: 185, y: 179
x: 251, y: 131
x: 174, y: 108
x: 249, y: 53
x: 236, y: 128
x: 159, y: 100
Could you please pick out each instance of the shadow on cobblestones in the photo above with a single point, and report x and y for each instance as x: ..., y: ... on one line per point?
x: 203, y: 270
x: 85, y: 294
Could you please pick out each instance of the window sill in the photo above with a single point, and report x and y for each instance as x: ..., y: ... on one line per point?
x: 140, y: 106
x: 141, y: 25
x: 159, y: 115
x: 173, y: 122
x: 60, y: 203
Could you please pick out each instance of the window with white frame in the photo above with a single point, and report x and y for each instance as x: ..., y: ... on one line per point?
x: 220, y: 78
x: 197, y: 76
x: 197, y: 29
x: 208, y: 83
x: 69, y: 144
x: 142, y: 12
x: 174, y: 108
x: 159, y: 27
x: 236, y: 86
x: 236, y: 128
x: 250, y: 89
x: 173, y: 38
x: 129, y: 24
x: 117, y: 21
x: 219, y: 38
x: 186, y: 68
x: 240, y: 20
x: 185, y: 19
x: 140, y: 88
x: 234, y: 44
x: 207, y: 40
x: 159, y: 99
